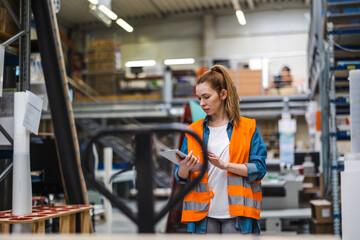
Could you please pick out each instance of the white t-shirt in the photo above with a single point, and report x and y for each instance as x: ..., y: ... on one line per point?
x: 218, y: 143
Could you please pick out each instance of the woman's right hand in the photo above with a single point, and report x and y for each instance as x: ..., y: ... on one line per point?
x: 186, y: 164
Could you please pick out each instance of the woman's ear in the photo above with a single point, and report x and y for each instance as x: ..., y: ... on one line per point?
x: 223, y: 94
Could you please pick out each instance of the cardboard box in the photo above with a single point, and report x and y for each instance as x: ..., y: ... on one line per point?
x: 321, y: 228
x: 101, y: 44
x: 248, y: 82
x: 321, y: 211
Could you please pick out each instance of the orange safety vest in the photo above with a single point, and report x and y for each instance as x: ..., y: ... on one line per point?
x: 244, y: 198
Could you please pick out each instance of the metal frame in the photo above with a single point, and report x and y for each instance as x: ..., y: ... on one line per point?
x: 333, y: 138
x: 24, y: 36
x: 333, y: 169
x: 24, y: 47
x: 24, y: 57
x: 146, y: 217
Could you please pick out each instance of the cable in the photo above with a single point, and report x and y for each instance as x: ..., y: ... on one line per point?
x: 345, y: 48
x: 130, y: 165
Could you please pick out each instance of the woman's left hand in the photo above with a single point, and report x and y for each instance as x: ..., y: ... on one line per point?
x: 216, y: 161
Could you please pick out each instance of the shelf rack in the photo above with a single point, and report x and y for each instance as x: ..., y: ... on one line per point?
x: 259, y: 107
x: 23, y: 53
x: 343, y: 32
x: 333, y: 50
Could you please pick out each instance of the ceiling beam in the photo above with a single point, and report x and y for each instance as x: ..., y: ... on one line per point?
x: 157, y: 10
x: 235, y: 4
x: 251, y: 4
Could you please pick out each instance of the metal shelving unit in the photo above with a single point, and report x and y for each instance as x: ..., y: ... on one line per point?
x: 343, y: 32
x: 23, y: 52
x: 333, y: 51
x: 260, y: 106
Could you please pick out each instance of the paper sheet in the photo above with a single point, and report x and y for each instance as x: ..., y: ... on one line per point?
x: 32, y: 112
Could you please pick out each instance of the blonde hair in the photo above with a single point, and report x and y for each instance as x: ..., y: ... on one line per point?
x: 219, y: 78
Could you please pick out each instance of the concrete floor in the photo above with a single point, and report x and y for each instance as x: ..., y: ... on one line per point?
x: 122, y: 224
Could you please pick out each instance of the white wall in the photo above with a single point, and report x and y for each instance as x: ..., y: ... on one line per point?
x: 280, y: 36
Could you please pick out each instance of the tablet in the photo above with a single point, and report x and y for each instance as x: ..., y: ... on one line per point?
x: 170, y: 155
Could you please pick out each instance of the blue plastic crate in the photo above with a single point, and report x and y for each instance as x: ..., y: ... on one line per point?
x: 350, y: 10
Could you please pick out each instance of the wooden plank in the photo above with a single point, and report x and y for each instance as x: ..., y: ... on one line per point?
x: 72, y: 219
x: 41, y: 227
x: 61, y: 213
x: 38, y: 227
x: 64, y: 224
x: 85, y: 222
x: 4, y: 228
x: 34, y: 227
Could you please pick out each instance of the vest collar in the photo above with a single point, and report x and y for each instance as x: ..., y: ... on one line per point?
x: 205, y: 123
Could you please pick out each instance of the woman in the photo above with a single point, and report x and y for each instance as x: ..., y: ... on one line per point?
x: 228, y: 198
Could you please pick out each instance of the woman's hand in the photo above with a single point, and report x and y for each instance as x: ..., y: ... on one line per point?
x: 216, y: 161
x: 186, y: 164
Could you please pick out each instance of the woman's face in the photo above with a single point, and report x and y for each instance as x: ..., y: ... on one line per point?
x: 209, y: 99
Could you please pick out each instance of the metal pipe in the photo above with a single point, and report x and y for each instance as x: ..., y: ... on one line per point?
x: 6, y: 172
x: 13, y: 39
x: 60, y: 111
x: 6, y: 134
x: 144, y: 169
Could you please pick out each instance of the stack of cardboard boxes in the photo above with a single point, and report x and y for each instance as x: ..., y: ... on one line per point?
x: 321, y: 217
x: 8, y: 27
x: 103, y: 66
x: 248, y: 82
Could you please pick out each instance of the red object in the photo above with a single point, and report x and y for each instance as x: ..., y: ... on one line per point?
x: 20, y: 218
x: 318, y: 121
x: 301, y: 170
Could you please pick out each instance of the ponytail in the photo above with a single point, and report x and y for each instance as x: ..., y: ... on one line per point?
x: 219, y: 78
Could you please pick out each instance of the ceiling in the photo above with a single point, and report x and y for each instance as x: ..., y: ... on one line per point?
x: 76, y: 12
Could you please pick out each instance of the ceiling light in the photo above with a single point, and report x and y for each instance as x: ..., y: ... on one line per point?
x: 108, y: 12
x: 124, y: 25
x: 92, y: 7
x: 142, y: 63
x: 241, y: 17
x: 94, y: 1
x: 179, y: 61
x: 99, y: 15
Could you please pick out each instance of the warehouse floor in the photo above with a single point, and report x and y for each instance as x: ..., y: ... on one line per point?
x: 122, y: 224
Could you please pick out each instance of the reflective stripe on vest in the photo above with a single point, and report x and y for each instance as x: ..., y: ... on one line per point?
x: 239, y: 181
x: 201, y: 187
x: 196, y: 206
x: 241, y: 200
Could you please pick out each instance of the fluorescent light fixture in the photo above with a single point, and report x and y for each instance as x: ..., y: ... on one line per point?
x: 108, y: 12
x: 141, y: 63
x: 241, y: 17
x: 179, y: 61
x: 94, y: 1
x: 92, y: 7
x: 124, y: 25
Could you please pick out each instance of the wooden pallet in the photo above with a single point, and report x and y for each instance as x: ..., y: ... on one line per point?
x: 66, y: 215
